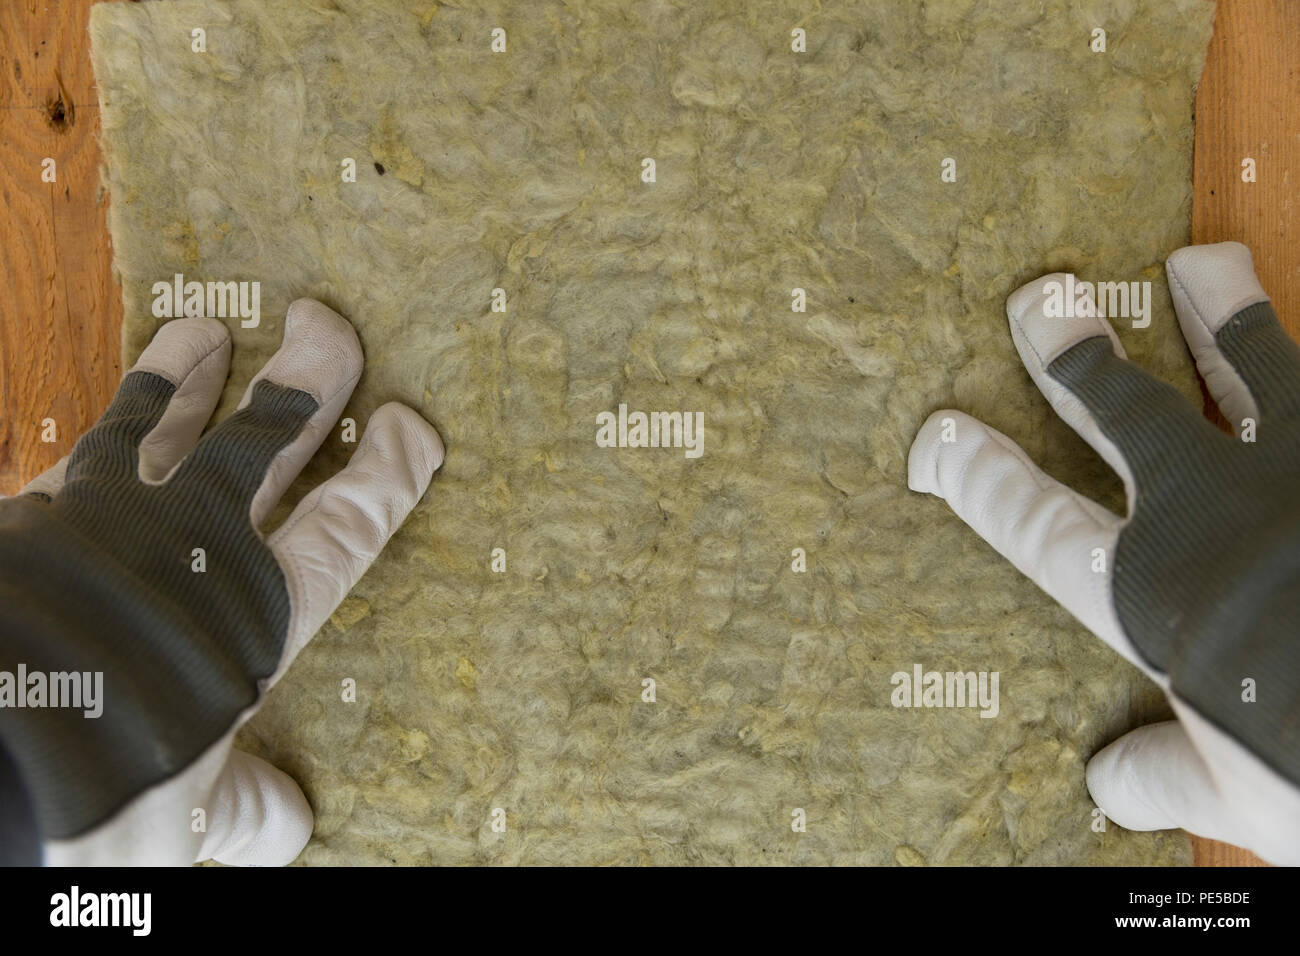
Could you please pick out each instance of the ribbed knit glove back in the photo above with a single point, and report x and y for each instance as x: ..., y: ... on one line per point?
x: 1199, y: 583
x: 140, y: 557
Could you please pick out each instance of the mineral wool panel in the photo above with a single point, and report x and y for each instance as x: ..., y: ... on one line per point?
x: 774, y: 170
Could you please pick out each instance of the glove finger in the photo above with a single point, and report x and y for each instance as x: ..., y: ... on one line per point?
x: 198, y: 389
x: 340, y: 527
x: 256, y: 815
x: 161, y: 406
x: 1057, y: 538
x: 285, y: 414
x: 1250, y: 365
x: 1138, y: 424
x: 48, y: 483
x: 1153, y: 778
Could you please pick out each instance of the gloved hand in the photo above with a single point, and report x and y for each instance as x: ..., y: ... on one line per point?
x: 1201, y: 580
x: 99, y: 573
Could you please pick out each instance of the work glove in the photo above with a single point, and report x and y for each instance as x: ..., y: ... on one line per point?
x: 101, y: 571
x: 1199, y: 583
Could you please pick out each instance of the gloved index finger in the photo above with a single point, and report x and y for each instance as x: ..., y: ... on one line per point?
x: 160, y: 407
x: 195, y: 354
x: 1250, y: 365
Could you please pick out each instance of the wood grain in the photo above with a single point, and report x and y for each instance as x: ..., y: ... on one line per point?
x: 60, y: 321
x: 1248, y: 106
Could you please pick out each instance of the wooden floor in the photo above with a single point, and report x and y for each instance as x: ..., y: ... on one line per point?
x: 61, y: 311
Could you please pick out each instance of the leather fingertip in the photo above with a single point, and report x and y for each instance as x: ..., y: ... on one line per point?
x: 923, y: 456
x: 313, y: 324
x: 419, y: 441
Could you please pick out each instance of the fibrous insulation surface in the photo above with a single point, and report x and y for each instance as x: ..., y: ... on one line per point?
x: 774, y: 170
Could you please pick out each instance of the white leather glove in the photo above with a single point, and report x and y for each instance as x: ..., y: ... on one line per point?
x: 99, y: 574
x: 1201, y: 580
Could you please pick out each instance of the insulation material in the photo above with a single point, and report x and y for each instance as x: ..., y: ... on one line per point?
x: 774, y: 170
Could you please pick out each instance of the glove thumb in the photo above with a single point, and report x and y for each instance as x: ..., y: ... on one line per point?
x: 257, y: 816
x: 1153, y: 778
